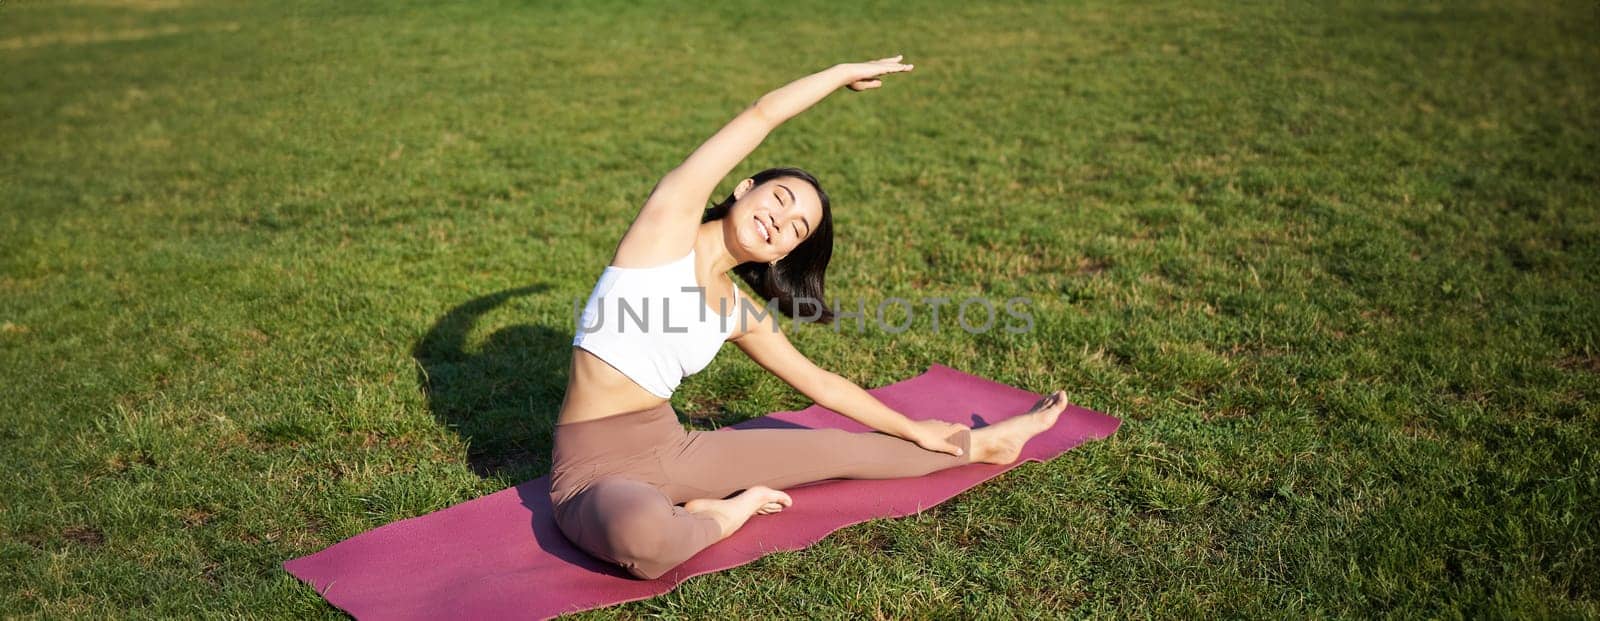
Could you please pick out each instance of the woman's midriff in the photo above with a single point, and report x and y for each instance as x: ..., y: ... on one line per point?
x: 597, y: 390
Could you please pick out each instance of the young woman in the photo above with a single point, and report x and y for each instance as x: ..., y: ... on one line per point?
x: 628, y: 484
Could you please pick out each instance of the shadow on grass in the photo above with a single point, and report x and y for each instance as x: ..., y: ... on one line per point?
x: 502, y: 396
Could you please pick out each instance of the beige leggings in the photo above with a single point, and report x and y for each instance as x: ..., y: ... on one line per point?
x: 616, y: 481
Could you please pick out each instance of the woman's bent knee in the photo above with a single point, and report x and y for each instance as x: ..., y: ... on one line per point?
x: 648, y: 544
x: 636, y: 539
x: 627, y: 522
x: 648, y: 570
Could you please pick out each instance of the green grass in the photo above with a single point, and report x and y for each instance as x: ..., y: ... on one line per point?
x: 1335, y: 264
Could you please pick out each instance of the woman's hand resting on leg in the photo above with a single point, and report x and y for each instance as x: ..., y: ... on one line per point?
x: 933, y: 435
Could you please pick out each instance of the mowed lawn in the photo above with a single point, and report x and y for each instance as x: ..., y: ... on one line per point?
x: 273, y: 274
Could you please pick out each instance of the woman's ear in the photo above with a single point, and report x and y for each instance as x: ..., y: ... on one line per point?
x: 744, y: 186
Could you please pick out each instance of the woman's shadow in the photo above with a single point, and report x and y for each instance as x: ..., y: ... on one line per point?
x: 503, y: 397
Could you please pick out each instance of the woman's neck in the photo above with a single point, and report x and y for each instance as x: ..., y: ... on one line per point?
x: 711, y: 249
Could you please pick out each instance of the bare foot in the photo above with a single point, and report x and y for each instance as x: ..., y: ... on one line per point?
x: 1002, y: 442
x: 732, y: 513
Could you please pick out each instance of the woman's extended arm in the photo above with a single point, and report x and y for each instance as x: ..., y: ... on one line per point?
x: 664, y: 228
x: 768, y: 346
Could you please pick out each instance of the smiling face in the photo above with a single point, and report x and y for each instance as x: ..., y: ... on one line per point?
x: 768, y: 221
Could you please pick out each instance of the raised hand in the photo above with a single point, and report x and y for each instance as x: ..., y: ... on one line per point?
x: 868, y: 75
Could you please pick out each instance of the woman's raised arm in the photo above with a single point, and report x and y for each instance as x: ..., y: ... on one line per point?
x: 664, y: 228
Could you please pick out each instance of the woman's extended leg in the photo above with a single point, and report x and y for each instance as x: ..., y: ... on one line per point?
x: 713, y: 464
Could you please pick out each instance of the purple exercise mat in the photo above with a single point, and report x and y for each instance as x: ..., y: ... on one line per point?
x: 500, y: 556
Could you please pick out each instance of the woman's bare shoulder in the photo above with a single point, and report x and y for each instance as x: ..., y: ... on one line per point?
x: 654, y: 238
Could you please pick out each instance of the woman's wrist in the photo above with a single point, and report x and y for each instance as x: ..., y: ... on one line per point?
x: 903, y: 428
x: 845, y: 397
x: 784, y: 102
x: 838, y: 75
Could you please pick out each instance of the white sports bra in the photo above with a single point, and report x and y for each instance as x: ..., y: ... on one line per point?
x: 653, y: 324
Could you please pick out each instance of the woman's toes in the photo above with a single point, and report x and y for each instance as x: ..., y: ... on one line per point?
x: 1052, y: 406
x: 770, y: 508
x: 778, y: 498
x: 765, y: 500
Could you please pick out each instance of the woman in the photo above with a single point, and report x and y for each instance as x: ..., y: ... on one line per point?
x: 628, y: 484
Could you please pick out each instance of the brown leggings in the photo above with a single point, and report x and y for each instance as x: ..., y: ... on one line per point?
x: 616, y: 481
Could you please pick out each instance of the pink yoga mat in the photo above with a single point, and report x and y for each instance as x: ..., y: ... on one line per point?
x: 500, y: 556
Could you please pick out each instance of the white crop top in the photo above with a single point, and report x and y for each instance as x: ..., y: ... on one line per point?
x: 653, y: 324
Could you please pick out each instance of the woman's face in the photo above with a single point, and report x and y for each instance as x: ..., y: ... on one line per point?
x: 768, y: 221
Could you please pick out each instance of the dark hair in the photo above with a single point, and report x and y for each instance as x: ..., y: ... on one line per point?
x: 796, y: 280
